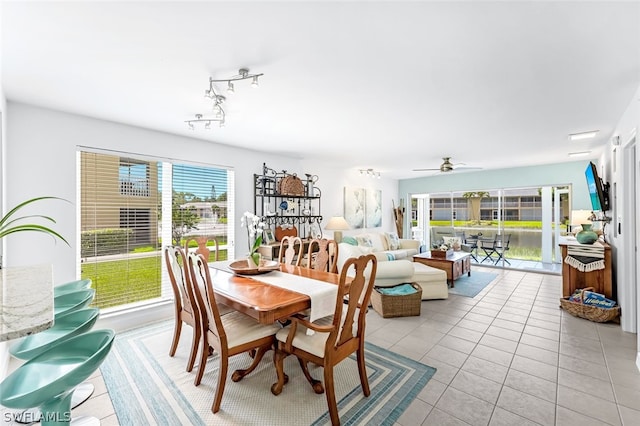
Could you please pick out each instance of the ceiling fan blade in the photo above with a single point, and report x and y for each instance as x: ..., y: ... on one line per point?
x: 467, y: 168
x: 426, y: 170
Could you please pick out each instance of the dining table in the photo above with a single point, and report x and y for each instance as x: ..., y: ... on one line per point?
x: 256, y: 296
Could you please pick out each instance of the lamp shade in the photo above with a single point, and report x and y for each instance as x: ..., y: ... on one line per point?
x: 578, y: 217
x: 337, y: 224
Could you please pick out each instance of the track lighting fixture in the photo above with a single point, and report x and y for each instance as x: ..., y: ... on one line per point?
x: 218, y: 99
x: 370, y: 173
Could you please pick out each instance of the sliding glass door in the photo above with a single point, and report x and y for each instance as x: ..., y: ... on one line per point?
x: 515, y: 227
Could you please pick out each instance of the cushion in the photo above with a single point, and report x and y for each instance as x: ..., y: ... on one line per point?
x: 350, y: 240
x: 378, y: 241
x: 453, y: 242
x: 394, y: 240
x: 364, y: 240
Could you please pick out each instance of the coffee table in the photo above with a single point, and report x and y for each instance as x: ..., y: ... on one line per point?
x: 456, y: 264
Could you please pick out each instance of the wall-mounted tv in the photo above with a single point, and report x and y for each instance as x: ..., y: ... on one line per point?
x: 598, y: 191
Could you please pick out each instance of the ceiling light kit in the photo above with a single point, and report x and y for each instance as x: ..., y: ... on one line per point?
x: 370, y: 173
x: 579, y: 154
x: 219, y: 115
x: 583, y: 135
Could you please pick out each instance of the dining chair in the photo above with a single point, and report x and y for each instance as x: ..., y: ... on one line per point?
x: 499, y: 246
x: 184, y: 302
x: 322, y: 255
x: 203, y: 248
x: 334, y: 338
x: 289, y: 254
x: 229, y: 335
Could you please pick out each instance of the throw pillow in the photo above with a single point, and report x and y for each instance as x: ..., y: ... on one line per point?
x: 350, y: 240
x: 364, y: 241
x: 453, y: 242
x: 394, y: 241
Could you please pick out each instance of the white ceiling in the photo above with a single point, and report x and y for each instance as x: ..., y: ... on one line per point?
x: 393, y: 86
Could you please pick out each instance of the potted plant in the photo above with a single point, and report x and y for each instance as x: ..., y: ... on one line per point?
x: 10, y: 224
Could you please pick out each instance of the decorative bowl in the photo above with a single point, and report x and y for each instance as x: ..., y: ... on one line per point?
x: 241, y: 267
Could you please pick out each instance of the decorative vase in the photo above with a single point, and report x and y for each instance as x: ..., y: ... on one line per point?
x: 586, y: 236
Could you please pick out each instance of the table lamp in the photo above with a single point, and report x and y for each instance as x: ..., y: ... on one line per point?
x: 580, y: 217
x: 337, y: 224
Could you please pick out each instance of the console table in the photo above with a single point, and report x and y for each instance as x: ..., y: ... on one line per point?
x: 601, y: 280
x: 26, y: 301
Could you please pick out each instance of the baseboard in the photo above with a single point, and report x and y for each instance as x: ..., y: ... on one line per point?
x: 638, y: 361
x: 126, y: 319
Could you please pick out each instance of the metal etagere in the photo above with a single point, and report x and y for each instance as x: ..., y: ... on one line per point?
x: 297, y: 206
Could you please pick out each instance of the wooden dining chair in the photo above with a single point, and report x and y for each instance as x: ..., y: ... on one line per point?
x: 229, y: 335
x: 335, y: 337
x: 289, y: 253
x: 203, y: 248
x: 322, y: 255
x: 184, y: 301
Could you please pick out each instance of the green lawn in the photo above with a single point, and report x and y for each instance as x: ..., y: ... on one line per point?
x: 119, y: 282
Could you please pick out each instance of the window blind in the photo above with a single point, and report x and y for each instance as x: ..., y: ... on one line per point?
x: 131, y: 206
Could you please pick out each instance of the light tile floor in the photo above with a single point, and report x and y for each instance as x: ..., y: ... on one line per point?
x: 509, y: 356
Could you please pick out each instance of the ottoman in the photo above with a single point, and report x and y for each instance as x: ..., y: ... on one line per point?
x: 433, y: 281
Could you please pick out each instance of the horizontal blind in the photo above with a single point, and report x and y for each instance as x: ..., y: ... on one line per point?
x: 121, y: 221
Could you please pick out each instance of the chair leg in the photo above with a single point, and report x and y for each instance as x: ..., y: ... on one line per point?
x: 331, y: 395
x: 204, y: 354
x: 278, y: 360
x: 222, y: 380
x: 239, y: 374
x: 194, y: 348
x: 315, y: 384
x: 177, y: 329
x: 362, y: 370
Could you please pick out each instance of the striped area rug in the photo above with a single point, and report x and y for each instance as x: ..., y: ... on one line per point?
x: 149, y: 387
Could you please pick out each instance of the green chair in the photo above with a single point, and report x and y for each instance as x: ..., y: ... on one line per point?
x: 71, y: 286
x: 65, y: 327
x: 48, y: 380
x: 72, y: 301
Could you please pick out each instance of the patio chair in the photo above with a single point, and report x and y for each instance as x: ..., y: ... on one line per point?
x: 499, y: 247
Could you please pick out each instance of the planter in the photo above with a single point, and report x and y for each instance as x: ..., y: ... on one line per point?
x: 441, y: 253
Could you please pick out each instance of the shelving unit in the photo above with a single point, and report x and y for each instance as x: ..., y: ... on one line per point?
x: 301, y: 210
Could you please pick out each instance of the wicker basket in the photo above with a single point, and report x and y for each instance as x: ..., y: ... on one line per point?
x: 291, y: 185
x: 592, y: 313
x: 389, y: 306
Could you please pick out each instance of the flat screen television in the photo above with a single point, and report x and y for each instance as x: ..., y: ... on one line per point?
x: 598, y: 191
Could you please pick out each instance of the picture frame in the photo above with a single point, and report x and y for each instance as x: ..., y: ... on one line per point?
x: 267, y: 236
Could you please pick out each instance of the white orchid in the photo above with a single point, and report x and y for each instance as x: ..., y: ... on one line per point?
x: 254, y: 231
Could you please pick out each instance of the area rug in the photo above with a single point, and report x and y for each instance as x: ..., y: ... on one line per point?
x: 147, y: 386
x: 471, y: 286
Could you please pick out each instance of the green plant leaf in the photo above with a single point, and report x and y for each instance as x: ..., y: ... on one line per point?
x: 10, y: 225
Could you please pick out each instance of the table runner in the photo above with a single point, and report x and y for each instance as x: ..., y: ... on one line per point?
x: 585, y: 257
x: 322, y: 294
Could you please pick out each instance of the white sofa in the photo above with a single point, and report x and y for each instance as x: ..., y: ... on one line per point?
x: 392, y: 272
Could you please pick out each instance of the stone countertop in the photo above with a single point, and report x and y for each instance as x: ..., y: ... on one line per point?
x: 26, y: 300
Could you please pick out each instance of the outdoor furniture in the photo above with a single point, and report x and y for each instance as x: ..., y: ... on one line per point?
x: 499, y: 246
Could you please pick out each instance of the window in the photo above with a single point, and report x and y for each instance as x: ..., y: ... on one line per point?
x: 130, y: 208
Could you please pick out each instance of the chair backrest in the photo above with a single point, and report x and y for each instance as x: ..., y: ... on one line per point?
x: 349, y: 318
x: 289, y: 254
x: 176, y: 262
x: 202, y: 248
x: 205, y: 296
x: 502, y: 241
x: 322, y: 255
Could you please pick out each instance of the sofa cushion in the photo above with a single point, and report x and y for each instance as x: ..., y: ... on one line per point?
x: 394, y: 240
x: 364, y: 240
x: 350, y: 240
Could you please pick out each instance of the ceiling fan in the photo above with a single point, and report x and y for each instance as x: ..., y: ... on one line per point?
x: 448, y: 166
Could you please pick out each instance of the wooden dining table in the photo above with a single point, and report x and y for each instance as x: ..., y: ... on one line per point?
x: 266, y: 303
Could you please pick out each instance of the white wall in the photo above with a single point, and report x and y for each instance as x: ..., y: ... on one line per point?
x: 42, y: 144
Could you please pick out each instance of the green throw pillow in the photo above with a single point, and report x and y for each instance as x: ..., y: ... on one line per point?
x: 350, y: 240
